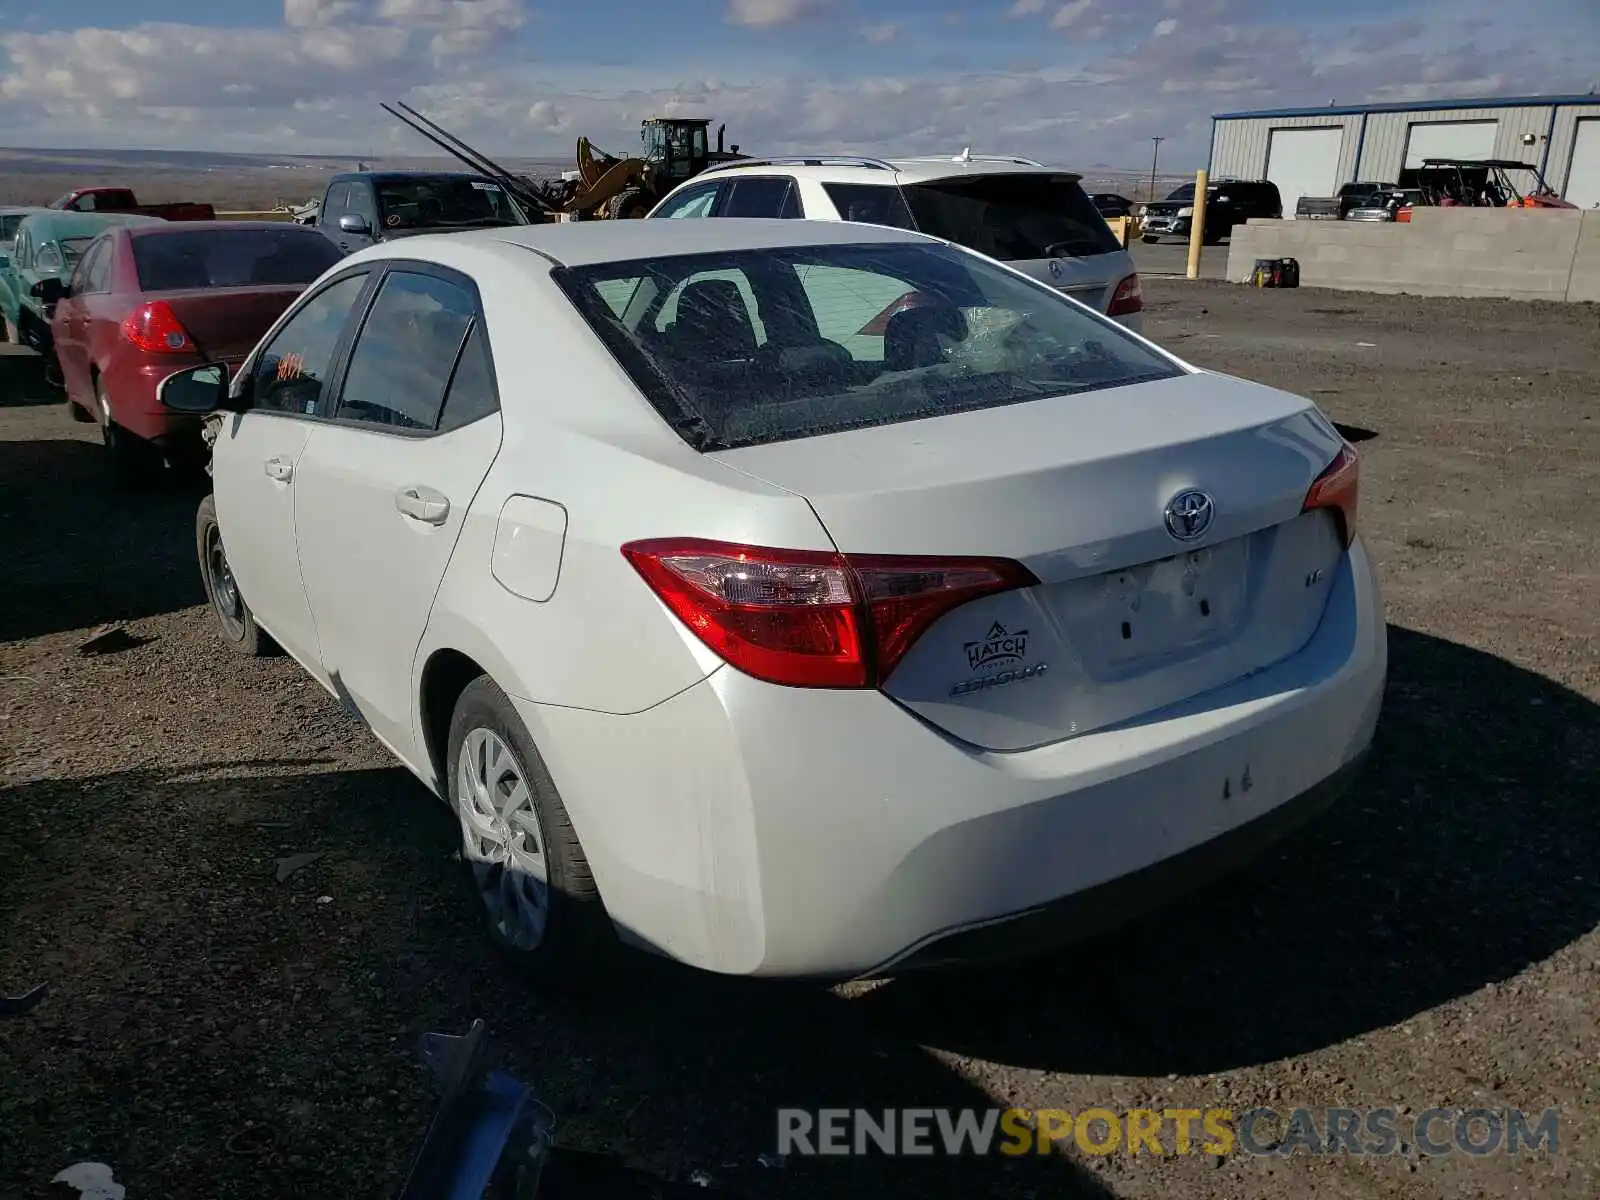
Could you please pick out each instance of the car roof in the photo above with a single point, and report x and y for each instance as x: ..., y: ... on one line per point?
x: 159, y: 228
x: 59, y: 223
x: 849, y: 168
x: 585, y: 243
x: 399, y: 176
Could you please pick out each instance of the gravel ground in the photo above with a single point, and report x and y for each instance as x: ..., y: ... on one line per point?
x: 214, y: 1033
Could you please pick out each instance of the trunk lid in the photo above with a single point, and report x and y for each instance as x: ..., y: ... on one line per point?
x: 226, y: 323
x: 1127, y: 618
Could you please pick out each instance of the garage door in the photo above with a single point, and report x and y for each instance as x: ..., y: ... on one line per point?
x: 1449, y: 139
x: 1583, y: 179
x: 1304, y: 162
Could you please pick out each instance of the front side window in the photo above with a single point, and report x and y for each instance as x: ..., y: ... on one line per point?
x: 8, y: 226
x: 693, y: 202
x: 97, y: 264
x: 83, y: 278
x: 335, y: 204
x: 1014, y: 217
x: 293, y: 370
x: 212, y: 258
x: 406, y: 352
x: 849, y: 336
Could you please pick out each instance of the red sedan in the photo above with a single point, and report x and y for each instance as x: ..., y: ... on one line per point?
x: 146, y: 301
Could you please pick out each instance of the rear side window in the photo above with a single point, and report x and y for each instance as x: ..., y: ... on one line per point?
x: 762, y: 197
x: 406, y: 352
x: 741, y: 348
x: 870, y: 204
x: 213, y: 258
x: 472, y: 394
x: 1013, y: 218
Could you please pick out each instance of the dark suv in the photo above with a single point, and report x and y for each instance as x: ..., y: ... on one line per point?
x: 1229, y: 202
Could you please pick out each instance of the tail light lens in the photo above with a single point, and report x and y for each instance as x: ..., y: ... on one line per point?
x: 1128, y: 298
x: 810, y: 618
x: 155, y: 329
x: 1337, y: 488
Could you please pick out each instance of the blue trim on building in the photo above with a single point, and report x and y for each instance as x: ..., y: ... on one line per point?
x: 1354, y: 110
x: 1361, y: 144
x: 1211, y: 154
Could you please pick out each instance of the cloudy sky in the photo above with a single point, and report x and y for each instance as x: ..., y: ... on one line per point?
x: 1087, y: 81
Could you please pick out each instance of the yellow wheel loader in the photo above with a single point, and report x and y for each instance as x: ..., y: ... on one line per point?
x: 674, y: 149
x: 607, y: 187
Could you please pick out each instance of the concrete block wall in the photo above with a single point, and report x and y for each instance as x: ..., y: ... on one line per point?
x: 1524, y: 254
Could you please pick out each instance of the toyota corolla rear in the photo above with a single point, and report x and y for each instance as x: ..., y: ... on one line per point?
x: 1080, y: 626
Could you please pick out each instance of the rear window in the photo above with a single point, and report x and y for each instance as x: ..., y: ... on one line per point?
x: 749, y: 347
x: 1013, y: 217
x: 208, y: 258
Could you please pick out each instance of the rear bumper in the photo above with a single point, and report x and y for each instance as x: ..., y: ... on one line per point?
x: 753, y: 829
x: 1107, y: 905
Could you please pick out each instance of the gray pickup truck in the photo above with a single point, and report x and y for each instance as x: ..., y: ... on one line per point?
x: 364, y: 207
x: 1337, y: 208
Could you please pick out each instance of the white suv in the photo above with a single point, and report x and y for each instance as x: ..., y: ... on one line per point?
x: 1029, y: 216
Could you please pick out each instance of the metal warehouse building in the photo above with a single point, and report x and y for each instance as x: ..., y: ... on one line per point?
x: 1314, y: 151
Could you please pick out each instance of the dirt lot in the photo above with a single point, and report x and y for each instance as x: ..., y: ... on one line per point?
x: 213, y: 1033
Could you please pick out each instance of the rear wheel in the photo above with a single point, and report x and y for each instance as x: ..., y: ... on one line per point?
x: 235, y: 621
x: 543, y: 909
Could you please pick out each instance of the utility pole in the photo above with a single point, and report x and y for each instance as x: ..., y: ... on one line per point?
x: 1154, y: 156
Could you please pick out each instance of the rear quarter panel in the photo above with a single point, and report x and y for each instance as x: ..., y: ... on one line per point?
x: 578, y: 436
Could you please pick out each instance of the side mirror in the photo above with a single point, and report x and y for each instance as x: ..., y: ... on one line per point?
x: 196, y: 390
x: 354, y: 223
x: 49, y: 290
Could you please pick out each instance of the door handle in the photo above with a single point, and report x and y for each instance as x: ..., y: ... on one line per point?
x: 423, y: 504
x: 280, y: 469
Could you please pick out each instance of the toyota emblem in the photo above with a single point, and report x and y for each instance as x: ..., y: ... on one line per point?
x: 1189, y: 514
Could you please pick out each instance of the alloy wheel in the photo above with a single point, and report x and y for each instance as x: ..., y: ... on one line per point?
x: 500, y: 838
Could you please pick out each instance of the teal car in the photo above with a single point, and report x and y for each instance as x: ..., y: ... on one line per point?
x: 47, y: 245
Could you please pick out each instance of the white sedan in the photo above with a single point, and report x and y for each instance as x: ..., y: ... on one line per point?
x: 793, y: 598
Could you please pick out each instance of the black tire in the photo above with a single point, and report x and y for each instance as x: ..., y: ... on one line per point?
x: 235, y: 622
x: 631, y: 204
x: 579, y: 945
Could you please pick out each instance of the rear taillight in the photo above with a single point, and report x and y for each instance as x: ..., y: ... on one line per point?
x: 1337, y: 488
x: 810, y: 618
x: 155, y: 329
x: 1128, y: 298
